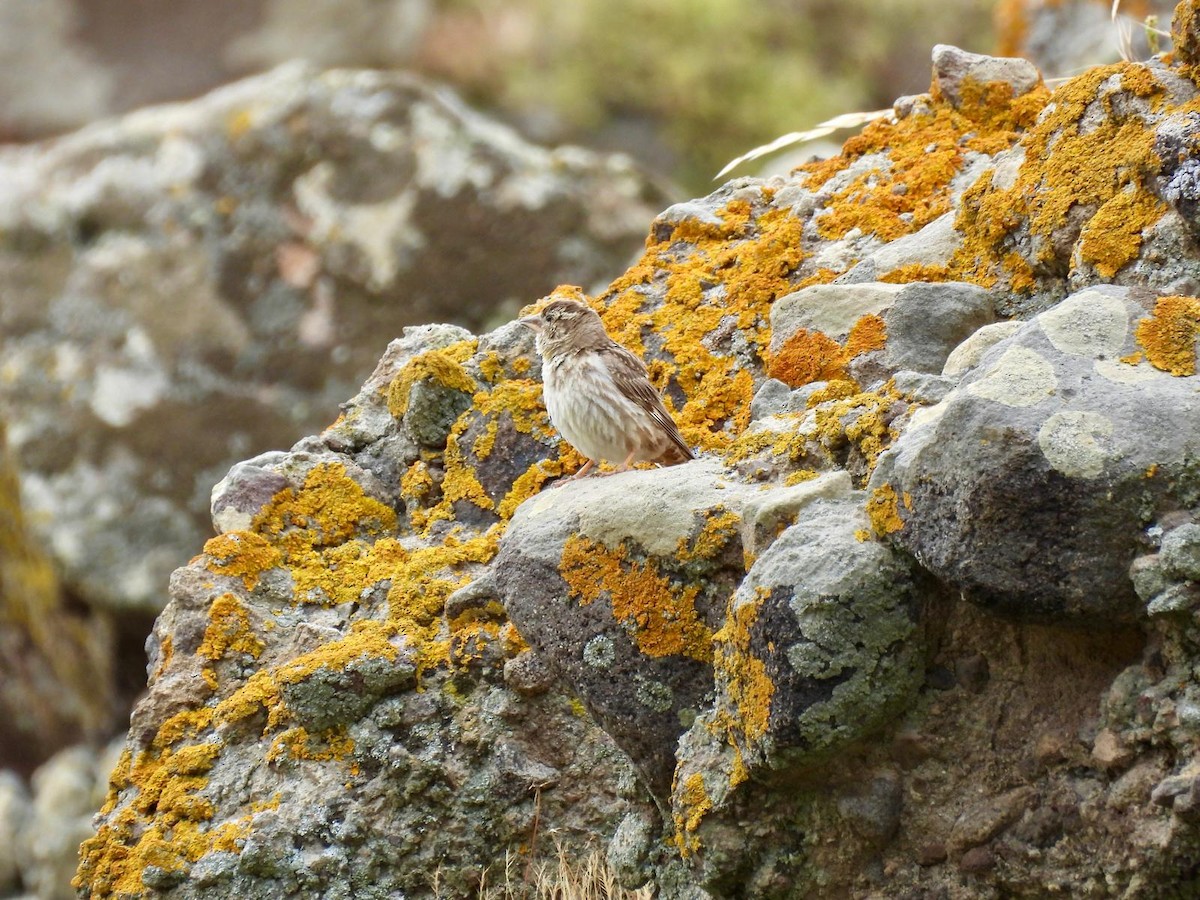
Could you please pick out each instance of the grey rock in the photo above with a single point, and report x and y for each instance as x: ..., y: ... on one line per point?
x: 14, y: 811
x: 642, y: 672
x: 630, y: 848
x: 933, y: 245
x: 953, y: 67
x: 829, y: 308
x: 1082, y: 430
x: 776, y: 398
x: 968, y: 354
x: 1180, y: 552
x: 922, y: 387
x: 924, y: 321
x: 873, y: 807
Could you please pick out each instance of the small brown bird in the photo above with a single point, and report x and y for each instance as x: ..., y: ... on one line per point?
x: 598, y: 394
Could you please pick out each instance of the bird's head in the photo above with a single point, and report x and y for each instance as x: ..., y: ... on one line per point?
x: 564, y: 326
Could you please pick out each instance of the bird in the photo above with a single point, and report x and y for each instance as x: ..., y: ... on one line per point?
x: 598, y: 394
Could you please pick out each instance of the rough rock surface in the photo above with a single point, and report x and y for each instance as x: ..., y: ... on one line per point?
x: 191, y: 285
x: 372, y: 666
x: 1091, y: 439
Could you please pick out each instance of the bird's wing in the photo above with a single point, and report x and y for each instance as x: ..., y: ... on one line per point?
x: 633, y: 381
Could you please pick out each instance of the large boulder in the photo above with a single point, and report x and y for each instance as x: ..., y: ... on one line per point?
x: 1030, y: 486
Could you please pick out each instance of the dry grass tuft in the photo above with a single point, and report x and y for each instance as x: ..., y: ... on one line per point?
x: 561, y: 878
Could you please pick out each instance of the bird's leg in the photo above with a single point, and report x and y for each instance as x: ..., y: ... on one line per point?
x: 587, y: 467
x: 624, y: 467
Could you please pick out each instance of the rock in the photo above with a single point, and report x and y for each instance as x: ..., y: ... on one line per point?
x: 66, y: 790
x: 977, y: 860
x: 955, y: 71
x: 630, y: 849
x: 196, y: 284
x: 972, y: 672
x: 873, y: 808
x: 982, y: 822
x: 1070, y: 408
x: 968, y: 354
x: 1074, y: 34
x: 14, y: 811
x: 57, y: 675
x: 934, y: 245
x: 931, y: 854
x: 921, y: 324
x: 1109, y: 751
x: 588, y: 573
x: 819, y: 647
x: 1180, y: 552
x: 410, y: 660
x: 922, y: 387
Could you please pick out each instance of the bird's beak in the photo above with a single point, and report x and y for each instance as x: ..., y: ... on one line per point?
x: 533, y: 323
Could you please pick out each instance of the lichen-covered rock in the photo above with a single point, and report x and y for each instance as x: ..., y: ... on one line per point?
x: 1067, y: 437
x: 315, y: 724
x: 620, y: 583
x: 192, y: 285
x: 340, y: 700
x: 820, y: 646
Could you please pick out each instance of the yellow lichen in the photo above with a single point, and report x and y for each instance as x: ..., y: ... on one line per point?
x: 443, y: 367
x: 883, y: 509
x: 720, y: 527
x: 296, y: 743
x: 1067, y: 167
x: 659, y: 615
x: 747, y: 683
x: 1113, y: 236
x: 164, y: 823
x: 229, y: 631
x: 1169, y: 335
x: 241, y: 554
x: 694, y: 804
x: 716, y: 278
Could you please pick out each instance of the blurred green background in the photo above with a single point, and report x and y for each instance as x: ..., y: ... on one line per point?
x: 682, y: 85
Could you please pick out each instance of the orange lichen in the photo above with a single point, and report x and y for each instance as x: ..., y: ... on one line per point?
x: 1169, y: 335
x: 1067, y: 167
x: 659, y: 615
x: 809, y: 356
x: 805, y: 357
x: 241, y: 554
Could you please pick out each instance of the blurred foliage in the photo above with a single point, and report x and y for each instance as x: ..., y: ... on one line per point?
x: 689, y: 84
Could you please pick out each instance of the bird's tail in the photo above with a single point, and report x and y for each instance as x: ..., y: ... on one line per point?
x: 675, y: 454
